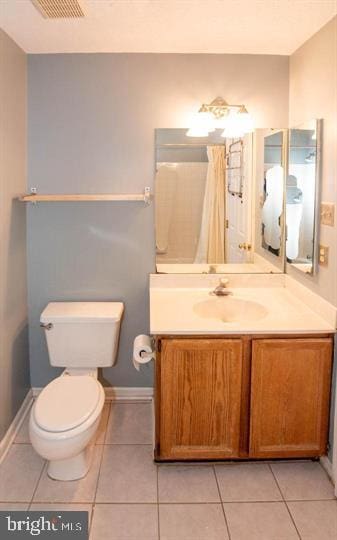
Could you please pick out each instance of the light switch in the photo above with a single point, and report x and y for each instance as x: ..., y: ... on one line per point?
x: 327, y: 214
x: 323, y: 257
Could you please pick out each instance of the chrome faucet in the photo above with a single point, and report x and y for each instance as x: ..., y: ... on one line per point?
x: 221, y: 289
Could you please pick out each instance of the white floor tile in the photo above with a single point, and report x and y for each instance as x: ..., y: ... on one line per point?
x: 128, y: 474
x: 61, y: 507
x: 125, y: 522
x: 130, y: 423
x: 192, y: 522
x: 260, y: 521
x: 77, y: 491
x: 19, y: 473
x: 315, y: 520
x: 247, y: 482
x: 13, y: 506
x: 185, y: 484
x: 303, y: 481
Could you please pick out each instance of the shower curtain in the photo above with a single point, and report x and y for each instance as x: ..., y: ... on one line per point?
x: 211, y: 245
x: 166, y: 184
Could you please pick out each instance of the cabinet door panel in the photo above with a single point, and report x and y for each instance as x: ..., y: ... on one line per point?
x: 290, y: 397
x: 200, y: 398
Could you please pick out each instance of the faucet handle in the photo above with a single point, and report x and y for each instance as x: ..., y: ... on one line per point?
x: 224, y: 281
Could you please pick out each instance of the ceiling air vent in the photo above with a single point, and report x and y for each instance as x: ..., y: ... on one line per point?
x: 59, y: 9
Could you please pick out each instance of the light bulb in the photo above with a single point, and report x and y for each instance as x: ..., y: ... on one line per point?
x: 233, y: 128
x: 245, y: 120
x: 197, y: 132
x: 201, y: 125
x: 220, y: 123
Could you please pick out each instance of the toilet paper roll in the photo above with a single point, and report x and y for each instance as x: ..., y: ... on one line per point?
x: 142, y: 351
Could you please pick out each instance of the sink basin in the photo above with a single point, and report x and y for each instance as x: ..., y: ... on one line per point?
x: 230, y: 309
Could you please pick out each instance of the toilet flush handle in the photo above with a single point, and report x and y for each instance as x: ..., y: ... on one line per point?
x: 48, y: 326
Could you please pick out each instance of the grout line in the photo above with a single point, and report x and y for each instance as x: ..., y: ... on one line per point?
x: 222, y: 506
x: 292, y: 519
x: 99, y: 472
x: 165, y: 503
x: 37, y: 483
x: 284, y: 501
x: 101, y: 460
x: 53, y: 503
x: 21, y: 443
x: 93, y: 506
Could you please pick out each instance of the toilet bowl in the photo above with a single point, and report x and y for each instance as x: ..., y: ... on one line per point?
x: 66, y: 414
x: 63, y: 422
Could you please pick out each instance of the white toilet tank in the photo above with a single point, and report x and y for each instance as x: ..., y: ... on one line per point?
x: 82, y: 334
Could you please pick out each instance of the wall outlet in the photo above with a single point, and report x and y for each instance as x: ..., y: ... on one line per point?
x: 323, y: 256
x: 327, y: 214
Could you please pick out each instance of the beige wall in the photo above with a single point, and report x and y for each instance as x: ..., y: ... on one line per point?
x: 14, y: 374
x: 313, y: 94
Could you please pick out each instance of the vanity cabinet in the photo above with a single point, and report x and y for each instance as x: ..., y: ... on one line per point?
x: 200, y: 398
x: 290, y: 387
x: 242, y: 397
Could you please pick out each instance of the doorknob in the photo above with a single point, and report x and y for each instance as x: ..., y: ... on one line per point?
x: 245, y: 246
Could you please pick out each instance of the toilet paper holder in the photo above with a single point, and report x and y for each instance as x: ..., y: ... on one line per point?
x: 144, y: 350
x: 145, y: 354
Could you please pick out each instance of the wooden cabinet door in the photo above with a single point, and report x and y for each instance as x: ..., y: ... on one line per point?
x: 200, y: 396
x: 290, y: 397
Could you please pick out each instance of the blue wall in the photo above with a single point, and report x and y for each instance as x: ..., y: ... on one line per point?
x: 91, y: 125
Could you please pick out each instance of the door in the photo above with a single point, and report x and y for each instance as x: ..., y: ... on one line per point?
x: 200, y: 398
x: 239, y: 201
x: 290, y: 397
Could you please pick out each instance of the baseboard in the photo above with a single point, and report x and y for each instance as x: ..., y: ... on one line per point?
x: 124, y: 393
x: 327, y: 466
x: 13, y: 429
x: 120, y: 393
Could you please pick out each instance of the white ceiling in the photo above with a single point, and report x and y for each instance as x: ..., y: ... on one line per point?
x: 176, y: 26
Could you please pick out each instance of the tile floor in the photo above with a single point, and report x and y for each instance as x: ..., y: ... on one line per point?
x: 131, y: 498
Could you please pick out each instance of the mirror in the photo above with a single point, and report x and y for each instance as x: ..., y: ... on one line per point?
x: 302, y: 188
x: 272, y: 216
x: 207, y: 201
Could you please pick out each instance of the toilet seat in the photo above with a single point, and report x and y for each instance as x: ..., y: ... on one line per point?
x: 67, y: 402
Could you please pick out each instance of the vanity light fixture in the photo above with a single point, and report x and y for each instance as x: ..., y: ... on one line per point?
x: 233, y: 119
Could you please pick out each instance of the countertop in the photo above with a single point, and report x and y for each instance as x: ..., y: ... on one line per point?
x: 172, y: 312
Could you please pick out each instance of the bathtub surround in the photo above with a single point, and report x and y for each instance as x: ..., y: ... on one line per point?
x: 91, y: 130
x: 14, y: 363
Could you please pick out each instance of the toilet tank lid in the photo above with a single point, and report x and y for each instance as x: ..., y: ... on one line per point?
x: 94, y: 312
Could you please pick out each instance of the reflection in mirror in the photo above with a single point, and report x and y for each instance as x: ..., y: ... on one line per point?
x: 204, y: 204
x: 273, y: 190
x: 301, y: 195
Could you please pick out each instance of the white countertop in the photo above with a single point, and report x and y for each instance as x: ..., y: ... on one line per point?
x: 171, y: 312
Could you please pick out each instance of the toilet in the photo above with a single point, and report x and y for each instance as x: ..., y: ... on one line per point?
x: 81, y: 337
